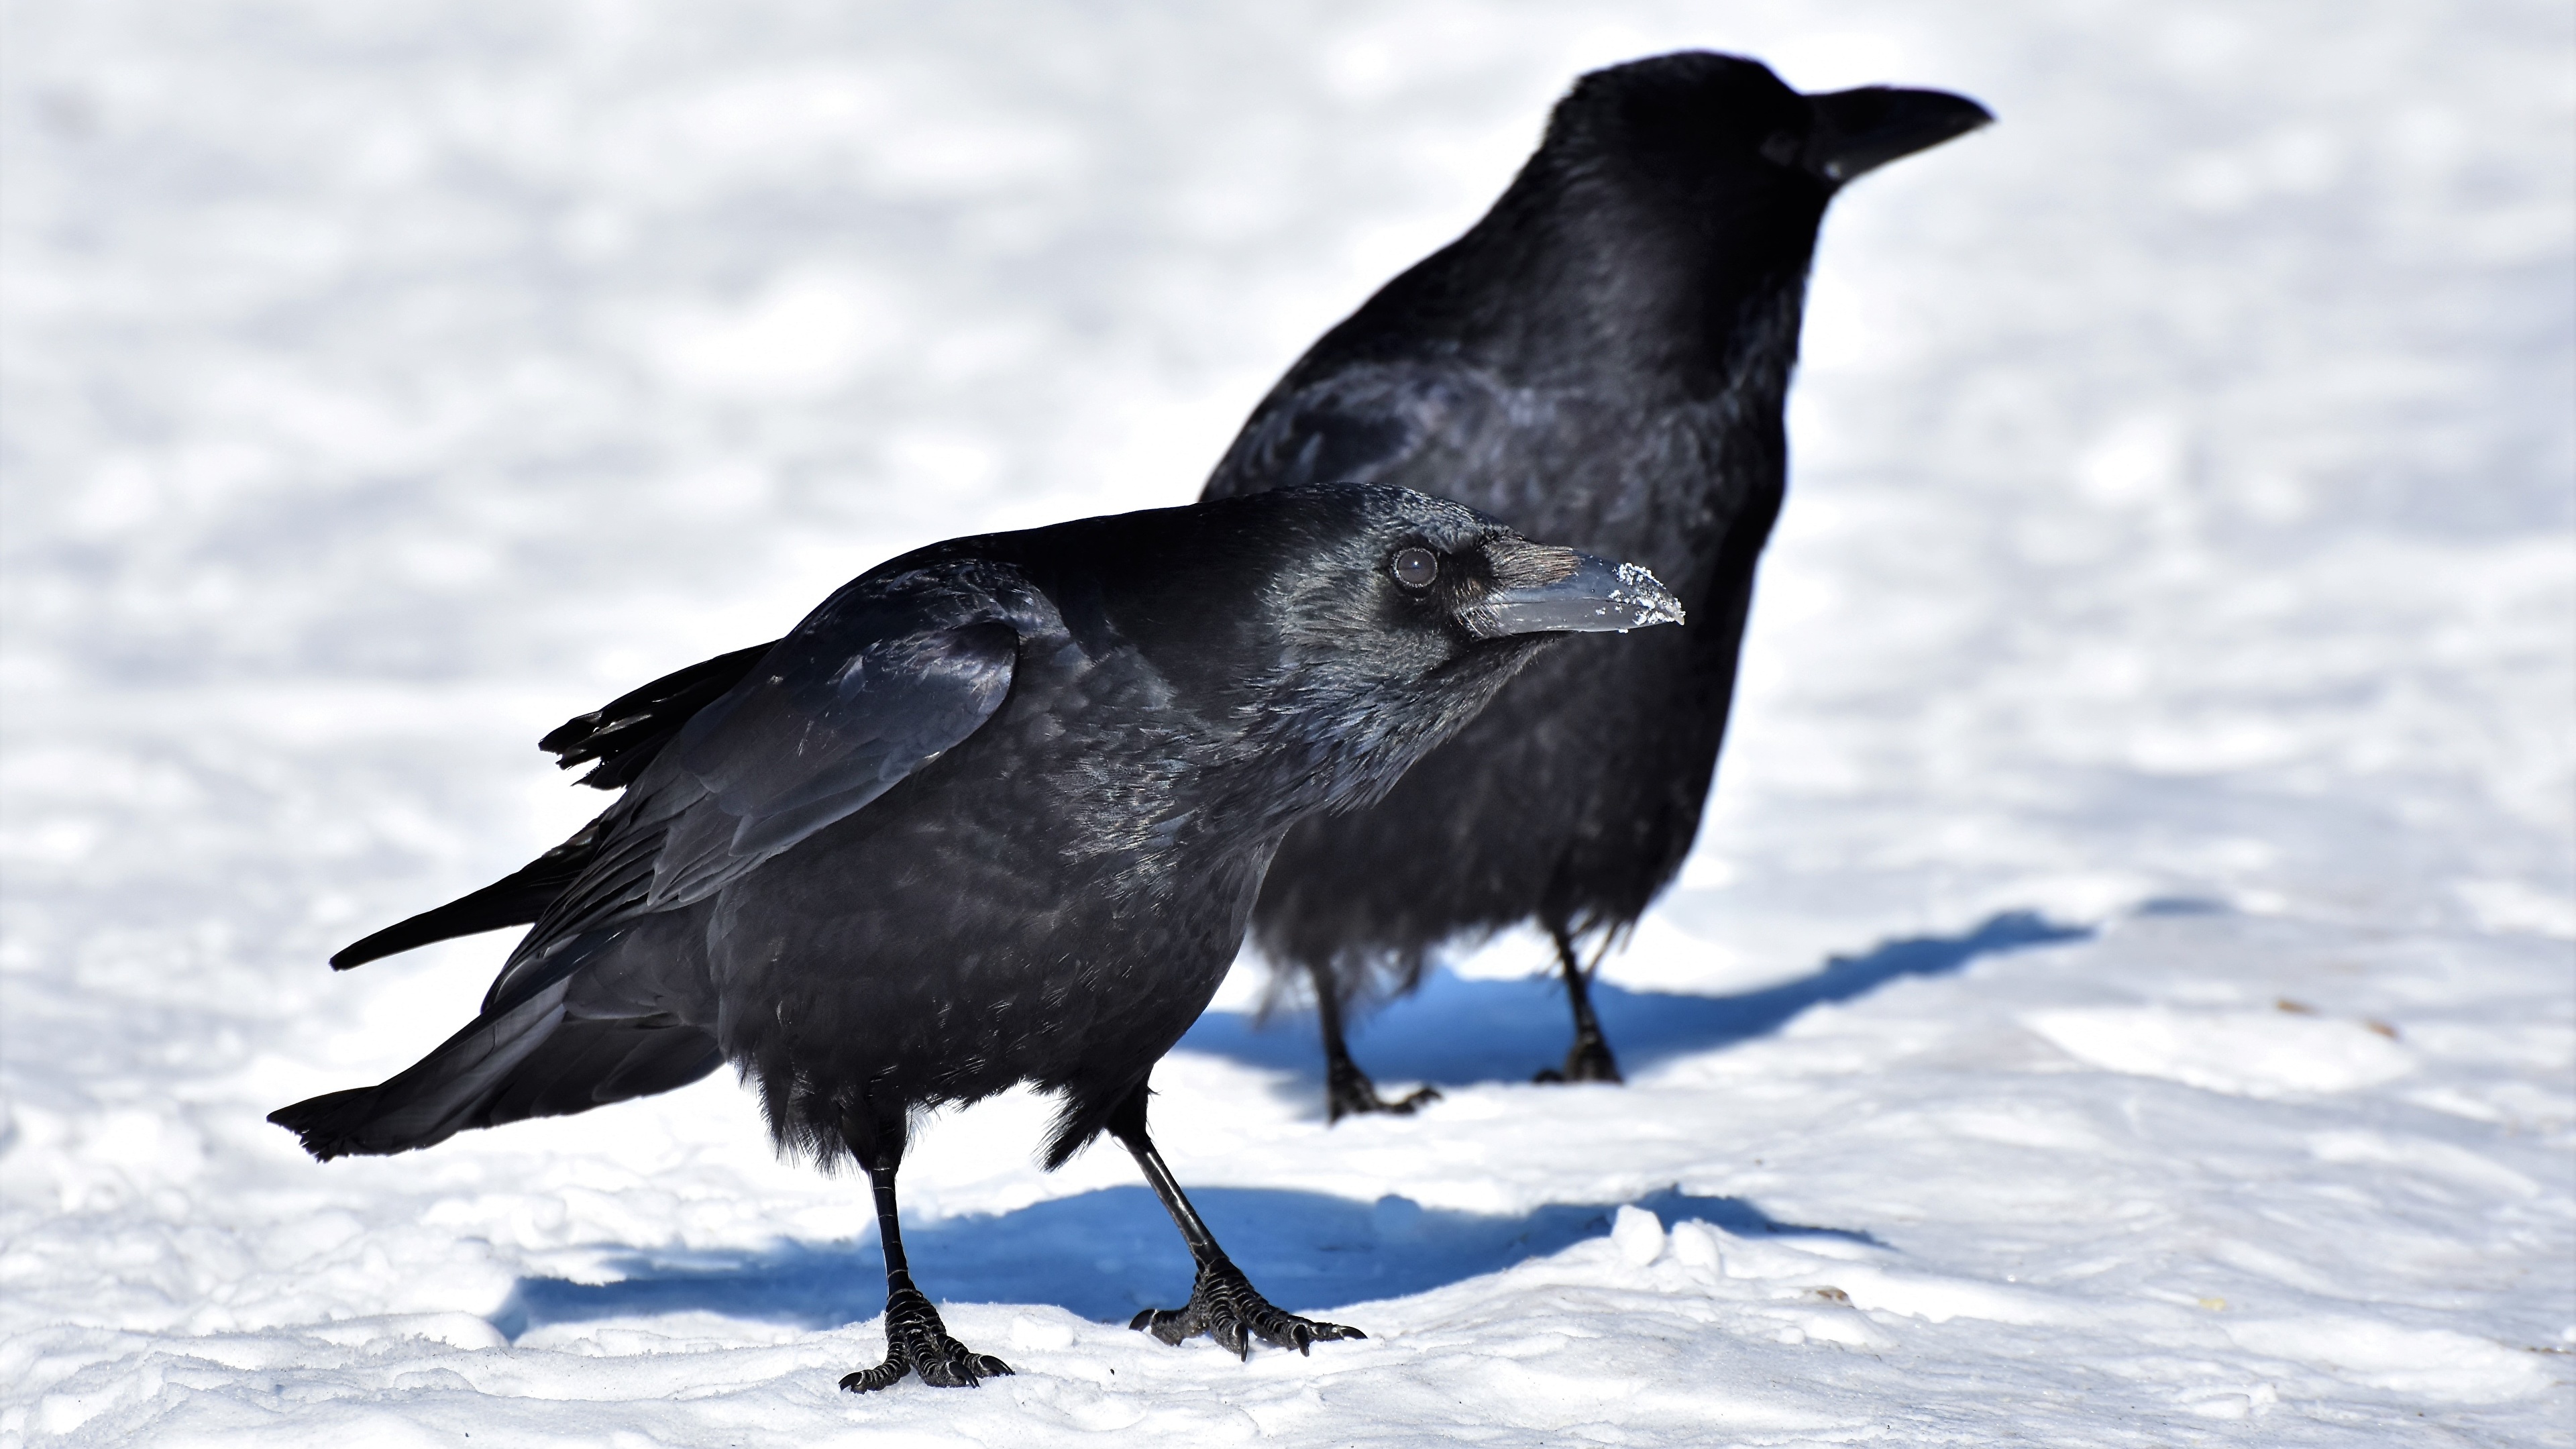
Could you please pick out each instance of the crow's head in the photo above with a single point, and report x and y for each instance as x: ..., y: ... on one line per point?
x: 1346, y: 629
x: 1670, y: 210
x: 1715, y: 128
x: 1399, y: 586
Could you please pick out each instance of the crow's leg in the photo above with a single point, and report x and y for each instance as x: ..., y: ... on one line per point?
x: 916, y: 1341
x: 1589, y: 1059
x: 1347, y: 1089
x: 1223, y: 1304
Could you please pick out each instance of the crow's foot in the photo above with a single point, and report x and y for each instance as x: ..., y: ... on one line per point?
x: 1348, y: 1091
x: 1226, y: 1307
x: 917, y: 1342
x: 1589, y: 1060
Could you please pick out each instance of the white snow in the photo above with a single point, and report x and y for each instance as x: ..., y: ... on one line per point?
x: 2125, y: 993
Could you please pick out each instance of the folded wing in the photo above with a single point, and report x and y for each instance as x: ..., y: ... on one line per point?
x: 598, y: 1002
x: 888, y: 675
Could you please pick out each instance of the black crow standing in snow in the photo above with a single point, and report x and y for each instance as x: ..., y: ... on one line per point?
x: 1601, y: 359
x: 995, y: 813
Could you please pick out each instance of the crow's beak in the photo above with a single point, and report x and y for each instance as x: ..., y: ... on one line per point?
x: 1541, y: 590
x: 1862, y: 130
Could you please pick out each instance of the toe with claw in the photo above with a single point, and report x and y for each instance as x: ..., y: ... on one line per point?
x: 918, y: 1343
x: 1226, y: 1307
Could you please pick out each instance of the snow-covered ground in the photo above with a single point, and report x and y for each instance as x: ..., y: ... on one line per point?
x: 2124, y: 994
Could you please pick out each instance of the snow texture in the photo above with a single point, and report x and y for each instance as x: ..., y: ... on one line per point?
x: 2123, y: 993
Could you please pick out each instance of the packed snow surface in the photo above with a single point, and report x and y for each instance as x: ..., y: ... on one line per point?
x: 2124, y: 992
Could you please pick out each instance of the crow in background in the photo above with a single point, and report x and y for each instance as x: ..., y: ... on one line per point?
x: 995, y: 813
x: 1601, y: 359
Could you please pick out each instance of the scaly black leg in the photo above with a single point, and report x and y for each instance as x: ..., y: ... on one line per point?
x: 1223, y: 1303
x: 916, y: 1341
x: 1347, y: 1089
x: 1589, y: 1059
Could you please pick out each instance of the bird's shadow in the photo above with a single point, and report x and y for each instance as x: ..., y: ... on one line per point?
x: 1456, y: 1031
x: 1103, y: 1255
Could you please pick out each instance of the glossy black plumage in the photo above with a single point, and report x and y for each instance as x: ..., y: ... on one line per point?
x: 1603, y: 358
x: 995, y: 813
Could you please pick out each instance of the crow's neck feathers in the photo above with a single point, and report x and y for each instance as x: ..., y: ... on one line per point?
x: 1355, y: 691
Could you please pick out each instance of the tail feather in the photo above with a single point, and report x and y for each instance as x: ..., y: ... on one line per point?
x: 590, y: 1063
x: 432, y: 1099
x: 531, y: 1060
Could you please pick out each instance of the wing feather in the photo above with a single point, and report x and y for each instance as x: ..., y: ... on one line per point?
x: 625, y: 734
x: 888, y: 675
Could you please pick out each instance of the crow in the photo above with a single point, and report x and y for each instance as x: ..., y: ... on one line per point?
x: 1601, y: 359
x: 995, y: 813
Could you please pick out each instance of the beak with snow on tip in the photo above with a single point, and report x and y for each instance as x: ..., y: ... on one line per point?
x: 1862, y: 130
x: 1543, y: 590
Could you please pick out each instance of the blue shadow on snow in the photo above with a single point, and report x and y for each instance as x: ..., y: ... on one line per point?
x: 1455, y: 1031
x: 1104, y: 1255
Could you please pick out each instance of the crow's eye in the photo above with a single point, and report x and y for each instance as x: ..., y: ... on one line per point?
x: 1780, y: 148
x: 1415, y: 567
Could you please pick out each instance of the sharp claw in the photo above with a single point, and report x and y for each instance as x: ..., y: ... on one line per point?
x: 1229, y: 1310
x: 868, y: 1381
x: 917, y: 1343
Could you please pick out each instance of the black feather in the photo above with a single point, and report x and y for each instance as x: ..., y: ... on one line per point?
x: 994, y: 813
x: 625, y: 734
x: 1602, y: 359
x: 514, y: 900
